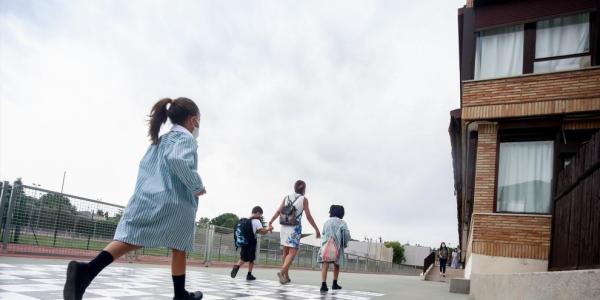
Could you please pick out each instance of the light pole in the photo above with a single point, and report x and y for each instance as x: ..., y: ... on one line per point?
x: 63, y: 182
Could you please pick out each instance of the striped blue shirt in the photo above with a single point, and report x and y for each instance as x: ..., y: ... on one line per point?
x: 162, y: 210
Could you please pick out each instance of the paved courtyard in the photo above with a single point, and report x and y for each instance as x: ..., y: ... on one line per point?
x: 33, y: 278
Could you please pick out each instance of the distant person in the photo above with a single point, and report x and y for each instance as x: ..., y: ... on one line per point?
x: 455, y: 259
x: 443, y: 256
x: 245, y: 238
x: 163, y: 207
x: 290, y: 214
x: 335, y: 239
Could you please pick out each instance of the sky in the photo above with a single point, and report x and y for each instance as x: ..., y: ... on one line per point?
x: 351, y: 96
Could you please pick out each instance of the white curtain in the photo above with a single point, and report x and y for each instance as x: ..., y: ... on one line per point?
x: 525, y: 177
x: 499, y: 52
x: 562, y: 36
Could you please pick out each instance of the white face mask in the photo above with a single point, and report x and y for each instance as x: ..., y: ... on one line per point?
x: 196, y: 132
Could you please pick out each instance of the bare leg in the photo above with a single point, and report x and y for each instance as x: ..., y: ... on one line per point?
x: 250, y: 267
x: 240, y: 263
x: 289, y: 259
x: 118, y: 248
x: 324, y: 270
x: 336, y: 272
x: 286, y: 251
x: 178, y: 263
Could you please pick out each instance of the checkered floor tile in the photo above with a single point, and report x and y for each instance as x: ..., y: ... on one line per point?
x: 29, y: 282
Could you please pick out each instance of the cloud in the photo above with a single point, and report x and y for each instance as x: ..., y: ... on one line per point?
x: 351, y: 97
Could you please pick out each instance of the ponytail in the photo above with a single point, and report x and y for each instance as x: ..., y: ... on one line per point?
x: 158, y: 116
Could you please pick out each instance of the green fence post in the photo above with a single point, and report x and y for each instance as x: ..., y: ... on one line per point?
x: 3, y: 203
x: 7, y: 226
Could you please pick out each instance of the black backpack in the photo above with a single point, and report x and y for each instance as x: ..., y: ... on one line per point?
x: 243, y: 233
x: 289, y: 214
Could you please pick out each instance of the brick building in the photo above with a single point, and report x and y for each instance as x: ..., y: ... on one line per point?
x: 530, y: 97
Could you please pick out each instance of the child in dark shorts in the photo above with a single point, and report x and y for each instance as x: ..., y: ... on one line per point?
x: 248, y: 251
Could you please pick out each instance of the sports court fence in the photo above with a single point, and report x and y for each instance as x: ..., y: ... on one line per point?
x: 37, y: 221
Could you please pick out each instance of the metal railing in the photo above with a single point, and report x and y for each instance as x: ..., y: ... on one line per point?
x: 428, y: 261
x: 43, y: 222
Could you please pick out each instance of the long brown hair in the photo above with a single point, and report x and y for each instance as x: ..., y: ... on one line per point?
x: 179, y: 111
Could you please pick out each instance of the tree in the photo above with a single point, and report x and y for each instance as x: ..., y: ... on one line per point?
x: 22, y: 209
x: 398, y: 257
x: 228, y: 220
x: 203, y: 221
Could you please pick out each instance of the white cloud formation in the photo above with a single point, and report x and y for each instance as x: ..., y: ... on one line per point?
x: 352, y: 97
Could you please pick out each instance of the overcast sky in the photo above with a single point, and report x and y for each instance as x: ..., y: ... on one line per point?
x: 351, y: 96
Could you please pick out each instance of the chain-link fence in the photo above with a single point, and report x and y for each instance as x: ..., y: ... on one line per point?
x: 43, y: 222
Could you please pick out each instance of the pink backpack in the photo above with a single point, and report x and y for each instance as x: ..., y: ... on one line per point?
x: 330, y: 252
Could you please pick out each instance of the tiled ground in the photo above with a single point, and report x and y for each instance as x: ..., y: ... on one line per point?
x: 45, y: 281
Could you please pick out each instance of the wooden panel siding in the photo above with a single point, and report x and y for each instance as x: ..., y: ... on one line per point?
x: 499, y: 13
x: 576, y: 221
x: 588, y: 124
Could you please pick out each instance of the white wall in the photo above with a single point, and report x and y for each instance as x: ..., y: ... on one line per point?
x: 582, y: 284
x: 484, y: 264
x: 371, y: 250
x: 415, y: 255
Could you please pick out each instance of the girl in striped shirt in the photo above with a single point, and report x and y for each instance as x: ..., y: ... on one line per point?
x: 162, y: 210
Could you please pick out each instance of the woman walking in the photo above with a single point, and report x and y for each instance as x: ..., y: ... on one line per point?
x: 443, y: 256
x: 290, y: 214
x: 162, y: 210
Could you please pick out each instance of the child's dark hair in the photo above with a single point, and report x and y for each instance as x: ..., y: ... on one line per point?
x: 336, y: 211
x: 179, y: 111
x: 257, y: 209
x: 300, y: 187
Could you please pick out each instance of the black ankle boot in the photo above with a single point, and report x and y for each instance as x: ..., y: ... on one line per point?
x: 324, y: 287
x: 250, y: 277
x: 335, y: 285
x: 78, y: 279
x: 190, y: 296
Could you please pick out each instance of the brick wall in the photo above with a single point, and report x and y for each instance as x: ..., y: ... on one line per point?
x: 508, y: 235
x: 485, y: 170
x: 500, y: 234
x: 528, y: 95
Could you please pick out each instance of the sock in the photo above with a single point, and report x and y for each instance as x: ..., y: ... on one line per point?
x: 249, y: 273
x: 179, y: 286
x: 100, y: 262
x: 335, y: 282
x: 323, y: 283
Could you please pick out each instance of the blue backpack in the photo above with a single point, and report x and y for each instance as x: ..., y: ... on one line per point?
x: 243, y: 233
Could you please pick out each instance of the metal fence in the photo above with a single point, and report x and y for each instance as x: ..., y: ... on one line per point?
x: 43, y: 222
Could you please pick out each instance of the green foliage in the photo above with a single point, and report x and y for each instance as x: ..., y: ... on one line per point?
x: 228, y: 220
x: 398, y: 257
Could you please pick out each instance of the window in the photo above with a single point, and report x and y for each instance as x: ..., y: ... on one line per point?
x: 562, y: 44
x: 525, y: 177
x: 499, y: 52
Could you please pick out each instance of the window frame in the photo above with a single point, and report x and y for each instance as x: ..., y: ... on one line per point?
x: 532, y: 135
x: 529, y: 44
